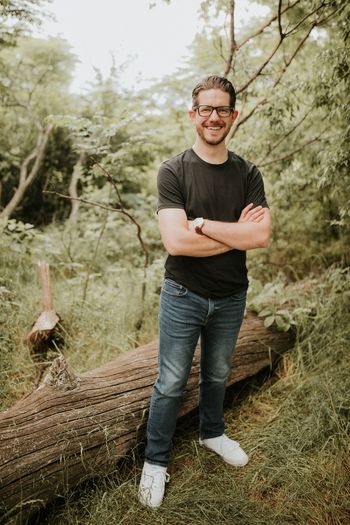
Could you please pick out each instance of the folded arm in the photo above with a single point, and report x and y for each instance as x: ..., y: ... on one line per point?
x: 245, y: 234
x: 178, y: 239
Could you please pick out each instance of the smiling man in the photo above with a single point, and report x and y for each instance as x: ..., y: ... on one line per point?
x: 211, y: 209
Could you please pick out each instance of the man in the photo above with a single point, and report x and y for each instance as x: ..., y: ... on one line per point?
x: 211, y: 209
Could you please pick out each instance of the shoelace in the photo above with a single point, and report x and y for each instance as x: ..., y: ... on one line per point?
x: 158, y: 478
x: 229, y: 443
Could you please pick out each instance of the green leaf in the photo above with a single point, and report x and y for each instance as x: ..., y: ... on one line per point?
x: 266, y: 311
x: 282, y: 324
x: 269, y: 321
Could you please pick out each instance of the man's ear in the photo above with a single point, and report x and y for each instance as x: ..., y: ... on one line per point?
x: 191, y: 114
x: 234, y: 115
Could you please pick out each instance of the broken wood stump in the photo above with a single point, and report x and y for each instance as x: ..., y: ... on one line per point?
x: 74, y: 428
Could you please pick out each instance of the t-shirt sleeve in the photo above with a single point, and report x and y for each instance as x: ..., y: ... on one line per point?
x: 255, y: 190
x: 169, y: 191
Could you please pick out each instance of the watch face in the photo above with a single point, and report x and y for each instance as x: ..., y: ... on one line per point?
x: 198, y: 224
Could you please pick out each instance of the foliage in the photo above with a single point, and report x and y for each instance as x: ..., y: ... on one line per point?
x: 35, y: 76
x: 16, y: 17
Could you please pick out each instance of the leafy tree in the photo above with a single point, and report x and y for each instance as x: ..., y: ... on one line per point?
x: 37, y: 73
x: 17, y: 17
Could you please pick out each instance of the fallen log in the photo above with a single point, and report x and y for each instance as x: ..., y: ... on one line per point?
x: 76, y: 427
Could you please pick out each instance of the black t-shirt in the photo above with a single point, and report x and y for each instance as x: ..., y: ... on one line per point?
x: 214, y: 191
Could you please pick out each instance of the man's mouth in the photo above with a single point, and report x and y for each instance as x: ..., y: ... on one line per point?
x: 214, y: 128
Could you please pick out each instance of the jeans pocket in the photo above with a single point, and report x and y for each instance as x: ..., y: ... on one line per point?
x: 239, y: 297
x: 173, y: 288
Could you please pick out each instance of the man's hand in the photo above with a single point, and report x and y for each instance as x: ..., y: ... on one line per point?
x: 248, y: 214
x: 251, y: 214
x: 252, y: 230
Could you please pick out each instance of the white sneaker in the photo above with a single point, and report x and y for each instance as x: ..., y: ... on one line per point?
x: 152, y: 485
x: 229, y: 450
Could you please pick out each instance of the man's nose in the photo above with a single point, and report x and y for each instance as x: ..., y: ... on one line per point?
x: 212, y: 114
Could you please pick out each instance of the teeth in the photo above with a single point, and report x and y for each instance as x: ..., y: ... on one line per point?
x: 214, y: 129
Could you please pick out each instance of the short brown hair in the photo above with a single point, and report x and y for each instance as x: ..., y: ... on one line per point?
x: 214, y: 82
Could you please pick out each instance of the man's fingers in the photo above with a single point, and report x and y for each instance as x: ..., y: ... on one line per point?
x: 257, y: 214
x: 251, y: 214
x: 255, y: 211
x: 246, y: 210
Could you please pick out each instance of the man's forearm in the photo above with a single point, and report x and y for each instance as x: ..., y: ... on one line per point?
x: 239, y: 236
x: 191, y: 244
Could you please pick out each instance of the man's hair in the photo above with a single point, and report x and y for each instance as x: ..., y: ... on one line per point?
x: 214, y: 82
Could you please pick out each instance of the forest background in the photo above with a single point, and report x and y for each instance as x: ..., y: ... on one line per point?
x: 78, y: 189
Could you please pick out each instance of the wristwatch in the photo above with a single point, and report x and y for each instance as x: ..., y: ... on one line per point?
x: 198, y: 224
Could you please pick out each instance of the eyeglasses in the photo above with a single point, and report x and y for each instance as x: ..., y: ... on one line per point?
x: 206, y: 111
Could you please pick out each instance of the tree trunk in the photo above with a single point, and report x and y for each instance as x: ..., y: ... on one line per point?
x: 73, y: 189
x: 73, y: 428
x: 26, y: 179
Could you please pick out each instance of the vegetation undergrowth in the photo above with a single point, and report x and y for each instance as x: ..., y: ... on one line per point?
x: 295, y: 428
x: 95, y: 329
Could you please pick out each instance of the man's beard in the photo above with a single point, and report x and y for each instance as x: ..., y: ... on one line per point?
x: 213, y: 141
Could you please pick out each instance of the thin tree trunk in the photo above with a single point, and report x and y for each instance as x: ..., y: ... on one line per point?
x: 73, y: 188
x: 73, y: 428
x: 25, y: 178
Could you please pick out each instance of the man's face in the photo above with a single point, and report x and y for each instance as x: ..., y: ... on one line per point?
x: 213, y: 129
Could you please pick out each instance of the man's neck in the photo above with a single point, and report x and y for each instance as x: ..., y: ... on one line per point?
x: 214, y: 154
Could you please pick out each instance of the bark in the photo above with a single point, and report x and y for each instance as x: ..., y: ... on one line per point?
x: 25, y: 178
x: 73, y: 428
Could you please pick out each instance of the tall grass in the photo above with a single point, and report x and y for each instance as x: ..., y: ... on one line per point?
x: 95, y: 330
x: 295, y: 427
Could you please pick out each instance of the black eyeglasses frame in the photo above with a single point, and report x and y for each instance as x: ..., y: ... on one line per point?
x: 216, y: 108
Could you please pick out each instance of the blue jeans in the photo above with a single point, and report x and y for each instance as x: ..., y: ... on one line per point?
x: 184, y: 316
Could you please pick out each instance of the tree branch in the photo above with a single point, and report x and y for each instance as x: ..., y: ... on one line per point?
x: 242, y: 120
x: 294, y: 30
x: 291, y: 153
x: 233, y: 44
x: 272, y: 148
x: 265, y: 99
x: 108, y: 208
x: 296, y: 51
x: 260, y: 68
x: 265, y: 25
x: 279, y: 19
x: 26, y: 179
